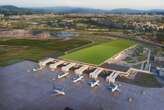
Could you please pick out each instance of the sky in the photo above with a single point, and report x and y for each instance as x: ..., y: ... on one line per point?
x: 99, y: 4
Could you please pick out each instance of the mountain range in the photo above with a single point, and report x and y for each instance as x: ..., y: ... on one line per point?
x: 12, y: 10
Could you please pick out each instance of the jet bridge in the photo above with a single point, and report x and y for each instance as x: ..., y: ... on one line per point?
x: 43, y: 63
x: 68, y: 67
x: 111, y: 78
x: 95, y: 73
x: 81, y: 70
x: 55, y: 65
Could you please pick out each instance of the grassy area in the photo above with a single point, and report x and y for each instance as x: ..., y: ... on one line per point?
x: 147, y: 80
x: 144, y: 80
x: 99, y: 53
x: 14, y: 50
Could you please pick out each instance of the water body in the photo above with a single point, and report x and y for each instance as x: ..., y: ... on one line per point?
x: 62, y: 34
x: 36, y: 32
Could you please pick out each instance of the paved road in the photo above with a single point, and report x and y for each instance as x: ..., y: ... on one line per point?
x: 21, y: 89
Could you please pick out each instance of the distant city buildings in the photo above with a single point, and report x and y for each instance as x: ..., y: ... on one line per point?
x: 148, y: 26
x: 1, y: 15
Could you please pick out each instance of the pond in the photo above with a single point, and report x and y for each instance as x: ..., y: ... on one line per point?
x: 36, y: 32
x: 62, y: 34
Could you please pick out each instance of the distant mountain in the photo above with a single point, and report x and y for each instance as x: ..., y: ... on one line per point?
x: 9, y: 8
x: 71, y: 10
x: 13, y: 10
x: 125, y: 11
x: 134, y: 11
x: 156, y: 11
x: 100, y: 11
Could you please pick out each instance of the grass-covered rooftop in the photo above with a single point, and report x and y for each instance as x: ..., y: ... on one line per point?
x: 97, y: 54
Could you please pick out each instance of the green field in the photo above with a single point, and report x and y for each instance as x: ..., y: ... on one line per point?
x: 14, y: 50
x: 99, y: 53
x: 144, y: 80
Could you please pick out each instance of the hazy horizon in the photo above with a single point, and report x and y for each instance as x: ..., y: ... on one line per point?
x: 103, y: 4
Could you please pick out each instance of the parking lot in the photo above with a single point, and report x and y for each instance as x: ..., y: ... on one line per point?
x: 22, y: 89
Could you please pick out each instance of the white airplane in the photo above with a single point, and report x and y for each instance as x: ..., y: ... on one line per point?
x: 36, y: 69
x: 78, y: 79
x: 58, y: 92
x: 62, y: 76
x: 114, y: 87
x: 94, y: 84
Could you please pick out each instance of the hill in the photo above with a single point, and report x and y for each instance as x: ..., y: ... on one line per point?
x: 13, y: 10
x: 100, y: 11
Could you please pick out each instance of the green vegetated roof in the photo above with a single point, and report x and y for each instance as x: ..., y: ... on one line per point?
x: 97, y: 54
